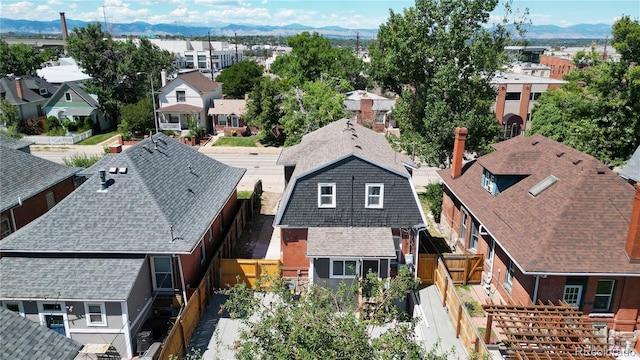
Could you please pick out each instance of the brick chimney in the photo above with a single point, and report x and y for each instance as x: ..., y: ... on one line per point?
x: 366, y: 109
x: 458, y: 152
x: 19, y: 88
x: 632, y: 247
x: 63, y: 25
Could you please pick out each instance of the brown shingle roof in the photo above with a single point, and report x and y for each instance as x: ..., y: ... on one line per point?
x: 185, y: 108
x: 577, y: 225
x: 199, y: 81
x: 228, y: 106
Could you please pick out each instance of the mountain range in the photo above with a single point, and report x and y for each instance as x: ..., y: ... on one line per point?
x: 580, y: 31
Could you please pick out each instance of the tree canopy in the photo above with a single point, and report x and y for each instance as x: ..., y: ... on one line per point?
x: 240, y: 78
x: 264, y: 108
x: 440, y: 56
x: 119, y: 70
x: 324, y: 323
x: 598, y: 110
x: 22, y: 59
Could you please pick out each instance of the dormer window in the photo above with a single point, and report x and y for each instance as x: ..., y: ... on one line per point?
x: 489, y: 181
x: 43, y: 91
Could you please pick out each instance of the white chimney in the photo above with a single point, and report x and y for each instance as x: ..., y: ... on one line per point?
x: 163, y: 77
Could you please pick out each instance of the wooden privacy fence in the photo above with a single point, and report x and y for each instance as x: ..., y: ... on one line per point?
x: 427, y: 268
x: 465, y: 330
x: 234, y: 271
x: 182, y: 332
x: 465, y: 269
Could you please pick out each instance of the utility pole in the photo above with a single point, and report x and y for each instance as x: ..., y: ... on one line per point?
x: 357, y: 44
x: 235, y: 35
x: 210, y: 55
x: 104, y: 14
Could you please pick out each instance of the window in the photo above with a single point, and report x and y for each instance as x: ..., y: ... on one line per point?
x: 67, y: 96
x: 397, y: 243
x: 96, y: 314
x: 488, y: 180
x: 343, y: 268
x: 52, y: 307
x: 375, y: 196
x: 234, y: 121
x: 162, y: 274
x: 463, y: 225
x: 222, y: 120
x: 189, y: 59
x: 326, y: 195
x: 473, y: 239
x: 202, y: 61
x: 604, y: 294
x: 512, y: 96
x: 572, y: 294
x: 15, y: 306
x: 51, y: 200
x: 534, y: 96
x: 508, y: 278
x: 5, y: 227
x: 43, y: 91
x: 181, y: 96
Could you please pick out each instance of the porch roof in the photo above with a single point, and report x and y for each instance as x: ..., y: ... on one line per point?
x: 181, y: 108
x: 375, y: 242
x: 62, y: 278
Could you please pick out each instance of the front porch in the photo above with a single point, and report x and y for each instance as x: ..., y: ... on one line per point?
x: 176, y: 117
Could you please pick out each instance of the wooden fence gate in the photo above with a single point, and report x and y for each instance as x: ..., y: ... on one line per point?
x: 427, y: 264
x: 248, y: 271
x: 464, y: 269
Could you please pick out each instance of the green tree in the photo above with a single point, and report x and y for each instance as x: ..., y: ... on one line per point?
x: 22, y: 59
x: 311, y: 107
x: 597, y: 112
x: 626, y: 38
x: 264, y: 108
x: 440, y: 56
x: 312, y: 57
x: 240, y: 78
x: 325, y: 323
x: 138, y: 116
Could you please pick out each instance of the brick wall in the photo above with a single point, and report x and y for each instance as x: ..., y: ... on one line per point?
x: 35, y: 206
x: 294, y: 251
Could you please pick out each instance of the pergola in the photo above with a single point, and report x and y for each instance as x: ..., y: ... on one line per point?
x: 546, y: 331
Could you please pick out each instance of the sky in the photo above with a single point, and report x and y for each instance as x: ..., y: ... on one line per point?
x: 351, y: 14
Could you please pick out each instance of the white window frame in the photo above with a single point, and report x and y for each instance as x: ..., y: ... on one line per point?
x: 5, y: 221
x: 609, y: 295
x: 51, y: 200
x: 222, y: 120
x: 153, y: 273
x: 203, y: 251
x: 474, y: 237
x: 368, y: 196
x: 344, y: 267
x: 464, y: 217
x: 184, y: 99
x: 42, y: 91
x: 68, y: 97
x: 5, y: 304
x: 103, y: 314
x: 235, y: 121
x: 569, y: 290
x: 508, y: 276
x: 332, y: 195
x: 397, y: 243
x: 42, y: 313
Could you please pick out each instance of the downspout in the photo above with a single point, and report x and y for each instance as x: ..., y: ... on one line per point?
x: 416, y: 248
x: 184, y: 289
x: 535, y: 288
x: 13, y: 220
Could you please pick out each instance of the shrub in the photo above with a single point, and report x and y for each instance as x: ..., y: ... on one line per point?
x: 81, y: 160
x: 51, y: 123
x: 433, y: 195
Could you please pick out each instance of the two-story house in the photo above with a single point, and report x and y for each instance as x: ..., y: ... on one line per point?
x: 349, y: 206
x: 27, y: 94
x: 142, y: 228
x: 553, y: 223
x: 190, y: 94
x: 371, y: 110
x: 71, y: 102
x: 29, y: 186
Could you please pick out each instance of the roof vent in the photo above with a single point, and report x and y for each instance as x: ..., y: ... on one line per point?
x: 103, y: 180
x: 576, y: 162
x: 543, y: 185
x: 600, y: 169
x: 559, y: 154
x: 535, y: 142
x: 113, y: 170
x: 359, y: 147
x: 122, y: 170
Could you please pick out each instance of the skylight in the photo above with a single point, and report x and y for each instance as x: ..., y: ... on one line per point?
x: 543, y: 185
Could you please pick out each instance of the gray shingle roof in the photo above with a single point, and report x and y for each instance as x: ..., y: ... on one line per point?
x: 77, y: 89
x: 23, y: 175
x: 31, y: 86
x: 632, y: 169
x: 68, y: 278
x: 164, y: 203
x: 15, y: 144
x: 340, y: 241
x: 23, y: 339
x: 339, y: 139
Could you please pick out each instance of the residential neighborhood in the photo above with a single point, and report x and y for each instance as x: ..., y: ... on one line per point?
x: 437, y: 191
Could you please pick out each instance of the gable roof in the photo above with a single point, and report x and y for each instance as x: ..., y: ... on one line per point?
x: 69, y: 278
x: 15, y: 144
x: 30, y: 89
x: 228, y: 106
x: 23, y: 339
x: 631, y: 170
x: 77, y: 89
x: 577, y: 225
x: 164, y: 203
x: 197, y: 80
x: 23, y: 175
x: 336, y: 141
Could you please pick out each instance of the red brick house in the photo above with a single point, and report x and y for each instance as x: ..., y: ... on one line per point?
x: 29, y: 185
x: 371, y: 110
x: 228, y: 115
x: 553, y: 224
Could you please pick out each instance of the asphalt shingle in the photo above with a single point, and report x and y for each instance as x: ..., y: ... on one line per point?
x: 340, y: 241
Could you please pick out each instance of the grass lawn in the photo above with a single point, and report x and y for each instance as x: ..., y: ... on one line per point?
x: 96, y: 139
x: 250, y: 141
